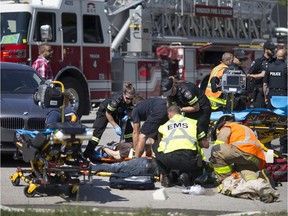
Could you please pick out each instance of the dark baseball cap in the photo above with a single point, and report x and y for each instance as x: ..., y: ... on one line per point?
x: 166, y: 86
x: 269, y: 45
x: 240, y: 54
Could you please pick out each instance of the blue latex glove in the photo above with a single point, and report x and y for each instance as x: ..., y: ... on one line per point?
x: 118, y: 130
x: 125, y: 118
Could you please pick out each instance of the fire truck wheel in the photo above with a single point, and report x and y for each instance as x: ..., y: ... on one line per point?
x: 75, y: 87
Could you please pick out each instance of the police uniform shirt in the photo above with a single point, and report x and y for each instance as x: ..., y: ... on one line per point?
x: 258, y: 66
x: 189, y: 94
x: 115, y: 105
x: 276, y: 76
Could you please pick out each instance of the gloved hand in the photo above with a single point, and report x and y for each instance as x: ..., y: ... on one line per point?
x: 118, y: 130
x: 125, y: 118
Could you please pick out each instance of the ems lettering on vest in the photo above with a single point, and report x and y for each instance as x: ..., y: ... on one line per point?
x: 177, y: 125
x: 275, y: 73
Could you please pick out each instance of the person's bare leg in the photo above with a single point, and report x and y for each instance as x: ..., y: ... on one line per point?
x: 148, y: 147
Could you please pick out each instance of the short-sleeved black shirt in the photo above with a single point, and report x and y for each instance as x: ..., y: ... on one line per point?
x: 154, y: 112
x: 115, y: 105
x: 189, y: 94
x: 258, y: 66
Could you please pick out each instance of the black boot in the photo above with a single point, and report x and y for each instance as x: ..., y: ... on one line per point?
x: 184, y: 180
x: 165, y: 181
x: 88, y: 153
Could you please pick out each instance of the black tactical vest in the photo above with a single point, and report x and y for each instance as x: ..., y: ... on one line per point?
x: 276, y: 76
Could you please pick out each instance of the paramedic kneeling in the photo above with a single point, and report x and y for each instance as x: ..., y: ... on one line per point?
x: 179, y: 148
x: 236, y: 145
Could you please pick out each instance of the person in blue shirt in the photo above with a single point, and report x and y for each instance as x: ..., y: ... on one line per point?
x: 55, y: 114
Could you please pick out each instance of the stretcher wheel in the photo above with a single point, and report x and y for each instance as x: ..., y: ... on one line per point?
x: 16, y: 182
x: 27, y: 194
x: 73, y: 190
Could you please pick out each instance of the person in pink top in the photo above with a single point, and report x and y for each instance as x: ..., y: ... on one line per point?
x: 42, y: 63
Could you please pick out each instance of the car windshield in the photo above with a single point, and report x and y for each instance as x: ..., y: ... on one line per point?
x: 14, y: 27
x: 19, y: 81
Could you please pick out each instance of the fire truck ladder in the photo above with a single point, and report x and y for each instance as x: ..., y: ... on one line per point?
x: 177, y: 20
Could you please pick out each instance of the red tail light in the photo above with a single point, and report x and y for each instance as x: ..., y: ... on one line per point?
x: 143, y: 73
x: 13, y: 53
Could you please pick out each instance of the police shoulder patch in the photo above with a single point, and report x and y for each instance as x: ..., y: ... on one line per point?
x: 114, y: 103
x: 187, y: 95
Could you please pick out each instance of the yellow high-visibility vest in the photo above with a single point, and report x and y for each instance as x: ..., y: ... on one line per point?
x: 177, y: 134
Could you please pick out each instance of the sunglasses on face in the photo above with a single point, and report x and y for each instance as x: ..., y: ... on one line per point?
x: 129, y: 98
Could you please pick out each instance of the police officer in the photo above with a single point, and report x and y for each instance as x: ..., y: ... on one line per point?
x: 180, y: 147
x: 153, y: 112
x: 192, y: 100
x: 276, y: 80
x: 256, y: 74
x: 112, y: 110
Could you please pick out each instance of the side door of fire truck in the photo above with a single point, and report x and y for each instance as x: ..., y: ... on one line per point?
x: 96, y: 49
x: 66, y: 43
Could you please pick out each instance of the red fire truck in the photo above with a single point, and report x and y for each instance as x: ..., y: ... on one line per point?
x: 101, y: 44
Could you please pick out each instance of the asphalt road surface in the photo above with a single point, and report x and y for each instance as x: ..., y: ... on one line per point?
x: 98, y: 195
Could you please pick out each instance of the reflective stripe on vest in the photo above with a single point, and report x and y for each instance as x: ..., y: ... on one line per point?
x: 223, y: 170
x: 247, y: 139
x: 208, y: 91
x: 171, y: 136
x: 216, y: 102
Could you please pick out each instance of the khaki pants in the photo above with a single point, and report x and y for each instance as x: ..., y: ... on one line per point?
x: 224, y: 155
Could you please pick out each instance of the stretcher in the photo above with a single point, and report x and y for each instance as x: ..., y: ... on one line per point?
x: 54, y: 154
x: 111, y: 160
x: 55, y: 157
x: 268, y: 124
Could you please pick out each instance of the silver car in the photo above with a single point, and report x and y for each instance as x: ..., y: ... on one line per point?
x: 18, y: 110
